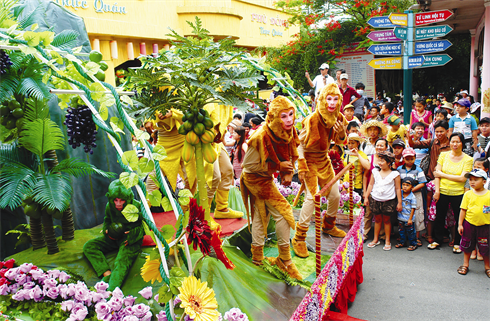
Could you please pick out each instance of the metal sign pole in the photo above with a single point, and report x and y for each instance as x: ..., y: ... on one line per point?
x: 407, y: 72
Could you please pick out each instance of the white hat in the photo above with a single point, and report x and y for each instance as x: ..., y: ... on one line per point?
x: 477, y: 173
x: 474, y: 107
x: 464, y: 92
x: 344, y: 76
x: 324, y: 66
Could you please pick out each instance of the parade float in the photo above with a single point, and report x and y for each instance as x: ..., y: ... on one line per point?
x: 189, y: 267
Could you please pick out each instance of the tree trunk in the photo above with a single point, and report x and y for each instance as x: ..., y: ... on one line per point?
x: 37, y: 236
x: 67, y: 223
x: 201, y: 183
x: 49, y: 233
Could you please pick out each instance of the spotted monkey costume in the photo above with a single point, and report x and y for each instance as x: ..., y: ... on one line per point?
x: 119, y: 235
x: 326, y: 124
x: 271, y: 148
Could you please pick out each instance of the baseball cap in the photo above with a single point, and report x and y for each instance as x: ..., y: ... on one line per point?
x: 410, y: 181
x: 324, y: 66
x: 349, y: 106
x: 474, y: 107
x: 344, y: 76
x: 485, y: 120
x: 408, y: 152
x: 477, y: 173
x: 399, y: 142
x: 393, y: 120
x: 463, y: 102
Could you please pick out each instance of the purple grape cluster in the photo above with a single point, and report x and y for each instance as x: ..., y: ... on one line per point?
x: 5, y: 62
x: 81, y: 128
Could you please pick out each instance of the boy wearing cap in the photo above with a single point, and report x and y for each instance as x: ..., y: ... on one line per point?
x: 347, y: 91
x: 398, y: 147
x: 474, y: 220
x: 463, y: 123
x: 410, y: 170
x: 406, y: 215
x: 349, y: 114
x: 321, y: 80
x: 397, y: 130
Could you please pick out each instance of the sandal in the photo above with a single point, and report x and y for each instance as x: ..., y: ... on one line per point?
x: 463, y: 270
x: 387, y: 247
x: 451, y: 244
x: 445, y: 239
x: 479, y: 258
x: 412, y: 248
x: 473, y: 255
x: 434, y: 246
x: 487, y: 272
x: 419, y: 243
x: 399, y: 245
x: 456, y: 249
x: 372, y: 244
x: 429, y: 239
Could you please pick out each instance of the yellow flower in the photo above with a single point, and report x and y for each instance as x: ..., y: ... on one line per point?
x: 150, y: 271
x: 198, y: 300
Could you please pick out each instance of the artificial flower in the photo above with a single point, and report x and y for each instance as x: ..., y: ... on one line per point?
x: 198, y: 300
x: 216, y: 243
x: 146, y: 292
x: 150, y: 271
x: 198, y: 228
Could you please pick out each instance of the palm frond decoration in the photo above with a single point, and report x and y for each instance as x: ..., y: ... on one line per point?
x: 78, y: 168
x: 41, y: 135
x: 53, y: 191
x: 36, y: 109
x: 66, y: 39
x: 6, y: 9
x: 16, y: 180
x: 34, y: 87
x: 35, y: 16
x: 8, y: 86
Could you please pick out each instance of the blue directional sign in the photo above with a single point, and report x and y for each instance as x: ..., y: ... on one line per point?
x: 380, y: 22
x: 401, y: 33
x: 431, y: 46
x: 431, y: 32
x: 435, y: 60
x: 415, y: 61
x: 387, y: 49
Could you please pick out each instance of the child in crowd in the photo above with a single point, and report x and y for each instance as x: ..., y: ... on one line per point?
x: 419, y: 129
x: 463, y: 123
x: 484, y: 137
x: 449, y: 108
x: 349, y: 114
x: 353, y: 127
x: 397, y: 130
x: 372, y: 130
x: 383, y: 196
x: 420, y: 114
x: 398, y: 147
x: 409, y: 169
x: 386, y: 111
x: 474, y: 220
x: 406, y: 215
x: 441, y: 114
x: 247, y: 127
x: 239, y: 150
x: 360, y: 160
x: 373, y: 113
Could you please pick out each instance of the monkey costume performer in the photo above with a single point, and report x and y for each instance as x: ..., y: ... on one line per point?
x: 119, y: 235
x: 271, y: 148
x: 326, y: 124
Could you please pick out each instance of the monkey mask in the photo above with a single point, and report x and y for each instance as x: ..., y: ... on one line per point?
x: 329, y: 103
x: 274, y: 122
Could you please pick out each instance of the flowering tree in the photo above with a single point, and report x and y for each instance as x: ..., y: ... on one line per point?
x: 326, y: 29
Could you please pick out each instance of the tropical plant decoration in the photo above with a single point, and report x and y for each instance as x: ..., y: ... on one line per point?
x: 45, y: 192
x: 195, y: 72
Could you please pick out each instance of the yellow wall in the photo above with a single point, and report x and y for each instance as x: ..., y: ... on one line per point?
x: 148, y: 21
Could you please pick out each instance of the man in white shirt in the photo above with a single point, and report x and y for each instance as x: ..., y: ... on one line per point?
x: 321, y: 80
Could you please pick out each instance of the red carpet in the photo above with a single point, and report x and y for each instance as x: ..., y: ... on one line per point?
x: 335, y: 316
x: 228, y: 226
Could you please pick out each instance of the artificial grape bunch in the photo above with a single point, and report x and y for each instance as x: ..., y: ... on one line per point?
x: 5, y: 62
x: 81, y: 128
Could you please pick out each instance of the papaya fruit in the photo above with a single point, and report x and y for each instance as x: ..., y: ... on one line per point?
x: 208, y: 153
x: 187, y: 152
x: 187, y: 125
x: 189, y: 116
x: 182, y: 130
x: 192, y: 138
x: 200, y: 117
x: 208, y: 123
x: 199, y: 129
x: 207, y: 137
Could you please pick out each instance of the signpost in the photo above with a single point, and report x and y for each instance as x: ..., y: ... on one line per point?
x: 411, y: 52
x: 386, y: 49
x: 431, y: 46
x: 383, y: 35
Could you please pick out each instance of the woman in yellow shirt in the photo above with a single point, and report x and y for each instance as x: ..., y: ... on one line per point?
x: 449, y: 181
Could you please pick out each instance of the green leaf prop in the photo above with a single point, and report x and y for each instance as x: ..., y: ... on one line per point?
x: 128, y: 179
x: 131, y: 213
x: 32, y: 38
x: 159, y: 153
x: 177, y: 276
x: 149, y: 232
x: 117, y: 125
x: 167, y: 207
x: 42, y: 135
x: 185, y: 197
x: 164, y: 294
x: 146, y: 165
x: 78, y: 168
x: 103, y: 112
x: 141, y: 134
x: 53, y: 191
x: 168, y: 232
x: 155, y: 198
x: 130, y: 158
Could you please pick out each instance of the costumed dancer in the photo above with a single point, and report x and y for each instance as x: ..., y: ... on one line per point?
x: 173, y: 142
x: 272, y: 148
x: 219, y: 175
x: 119, y: 235
x: 324, y: 126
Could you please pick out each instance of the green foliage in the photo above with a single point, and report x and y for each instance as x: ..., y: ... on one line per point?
x: 24, y: 236
x: 131, y: 213
x: 42, y: 135
x: 196, y: 71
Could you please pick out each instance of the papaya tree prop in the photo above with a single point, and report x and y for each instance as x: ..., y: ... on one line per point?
x: 194, y: 73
